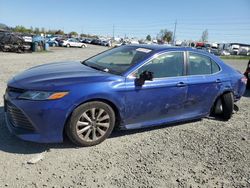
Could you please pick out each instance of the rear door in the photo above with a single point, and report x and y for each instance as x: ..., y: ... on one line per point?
x: 204, y: 84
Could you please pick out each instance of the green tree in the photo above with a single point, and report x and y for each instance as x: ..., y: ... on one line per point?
x: 73, y: 33
x: 84, y: 35
x: 204, y: 36
x: 52, y: 32
x: 59, y: 32
x: 148, y: 38
x: 165, y: 35
x: 20, y: 29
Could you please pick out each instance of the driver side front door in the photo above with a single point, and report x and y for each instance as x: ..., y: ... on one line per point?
x: 160, y: 100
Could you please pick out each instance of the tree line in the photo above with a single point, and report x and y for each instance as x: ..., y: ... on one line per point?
x: 163, y: 36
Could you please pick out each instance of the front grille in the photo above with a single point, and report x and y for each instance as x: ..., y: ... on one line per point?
x: 17, y: 118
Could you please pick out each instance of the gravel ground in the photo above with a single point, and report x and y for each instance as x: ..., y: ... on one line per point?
x: 204, y: 153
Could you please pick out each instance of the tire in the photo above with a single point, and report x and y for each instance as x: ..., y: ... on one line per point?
x: 227, y: 105
x: 67, y: 45
x: 83, y: 46
x: 53, y: 44
x: 88, y: 127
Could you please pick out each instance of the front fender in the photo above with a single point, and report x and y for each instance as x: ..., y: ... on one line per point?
x: 102, y: 92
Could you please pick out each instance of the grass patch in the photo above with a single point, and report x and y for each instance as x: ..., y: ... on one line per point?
x: 235, y: 57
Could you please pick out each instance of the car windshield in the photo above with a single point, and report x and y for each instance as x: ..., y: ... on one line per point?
x: 118, y: 60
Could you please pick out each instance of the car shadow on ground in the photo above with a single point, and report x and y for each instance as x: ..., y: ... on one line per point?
x: 11, y: 144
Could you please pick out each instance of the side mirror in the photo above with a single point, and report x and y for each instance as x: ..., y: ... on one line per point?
x: 145, y: 75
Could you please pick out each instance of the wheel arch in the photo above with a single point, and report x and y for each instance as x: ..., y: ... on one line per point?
x: 109, y: 102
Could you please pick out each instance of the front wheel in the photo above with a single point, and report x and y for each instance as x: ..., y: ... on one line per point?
x: 90, y: 123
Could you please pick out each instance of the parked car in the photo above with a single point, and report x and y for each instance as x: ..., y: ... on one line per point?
x: 244, y: 51
x: 128, y: 87
x: 72, y: 42
x: 234, y: 49
x: 247, y: 74
x: 53, y: 43
x: 96, y: 42
x: 88, y: 41
x: 225, y: 53
x: 106, y: 43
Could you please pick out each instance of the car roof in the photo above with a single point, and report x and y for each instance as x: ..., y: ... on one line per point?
x: 160, y: 48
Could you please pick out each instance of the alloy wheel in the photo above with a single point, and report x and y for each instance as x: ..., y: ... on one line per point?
x: 92, y: 124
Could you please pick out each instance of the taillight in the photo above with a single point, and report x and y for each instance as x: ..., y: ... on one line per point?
x: 244, y: 80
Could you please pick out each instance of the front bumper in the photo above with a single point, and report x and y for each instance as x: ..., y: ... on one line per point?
x: 46, y: 119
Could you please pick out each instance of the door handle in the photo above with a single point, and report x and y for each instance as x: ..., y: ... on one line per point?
x: 218, y: 81
x: 181, y: 84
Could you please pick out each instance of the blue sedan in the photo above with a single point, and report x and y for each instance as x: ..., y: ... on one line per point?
x: 128, y: 87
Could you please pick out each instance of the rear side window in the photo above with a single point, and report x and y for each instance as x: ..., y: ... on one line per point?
x: 215, y: 67
x: 166, y: 65
x: 201, y: 65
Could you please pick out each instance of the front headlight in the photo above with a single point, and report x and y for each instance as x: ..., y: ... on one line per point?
x: 42, y: 95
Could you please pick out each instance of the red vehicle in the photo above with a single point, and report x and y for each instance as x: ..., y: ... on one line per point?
x: 200, y: 45
x: 247, y: 74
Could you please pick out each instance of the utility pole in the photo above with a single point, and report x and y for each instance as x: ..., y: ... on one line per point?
x: 113, y: 37
x: 174, y: 31
x: 113, y: 32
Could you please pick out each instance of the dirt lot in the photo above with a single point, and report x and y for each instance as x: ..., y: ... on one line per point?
x: 205, y: 153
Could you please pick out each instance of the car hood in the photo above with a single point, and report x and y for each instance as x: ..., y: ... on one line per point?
x: 53, y: 75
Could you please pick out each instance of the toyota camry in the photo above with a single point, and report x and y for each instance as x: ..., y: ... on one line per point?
x: 129, y: 87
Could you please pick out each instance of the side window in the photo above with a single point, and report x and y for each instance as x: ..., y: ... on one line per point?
x: 199, y: 64
x: 215, y: 67
x: 166, y: 65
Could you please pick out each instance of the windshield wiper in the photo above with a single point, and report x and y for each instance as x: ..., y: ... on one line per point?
x: 100, y: 68
x: 93, y: 66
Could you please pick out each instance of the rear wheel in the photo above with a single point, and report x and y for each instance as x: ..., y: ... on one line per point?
x: 90, y: 123
x: 224, y: 106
